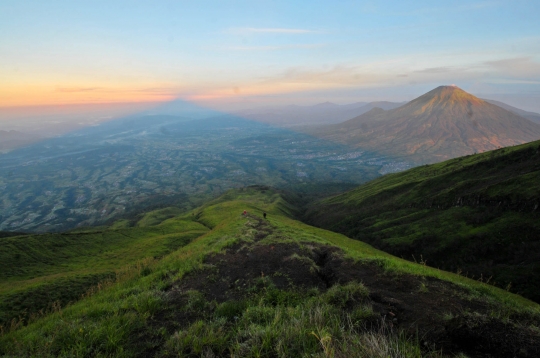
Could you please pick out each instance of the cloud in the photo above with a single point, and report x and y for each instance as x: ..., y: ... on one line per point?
x: 172, y: 90
x: 275, y: 30
x: 435, y: 70
x: 510, y: 62
x: 274, y: 48
x: 77, y: 89
x: 390, y: 72
x: 169, y: 90
x: 521, y: 67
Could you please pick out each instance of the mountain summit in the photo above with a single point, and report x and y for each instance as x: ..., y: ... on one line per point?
x: 444, y: 123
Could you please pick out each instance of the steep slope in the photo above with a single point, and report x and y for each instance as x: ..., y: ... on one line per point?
x: 478, y: 215
x: 444, y: 123
x: 37, y: 271
x: 254, y: 287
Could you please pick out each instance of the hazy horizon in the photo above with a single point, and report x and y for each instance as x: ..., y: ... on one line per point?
x: 236, y: 55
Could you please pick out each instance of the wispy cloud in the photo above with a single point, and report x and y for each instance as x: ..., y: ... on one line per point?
x: 274, y: 48
x: 169, y: 90
x: 510, y: 62
x: 77, y: 89
x: 512, y: 81
x: 435, y: 70
x: 268, y: 30
x: 521, y: 67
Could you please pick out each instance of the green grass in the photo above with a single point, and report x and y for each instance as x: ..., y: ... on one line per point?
x: 158, y: 216
x: 478, y: 214
x: 125, y: 316
x: 63, y: 266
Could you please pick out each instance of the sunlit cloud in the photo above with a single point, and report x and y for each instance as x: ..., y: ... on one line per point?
x: 77, y: 89
x: 384, y: 73
x: 297, y: 80
x: 48, y: 95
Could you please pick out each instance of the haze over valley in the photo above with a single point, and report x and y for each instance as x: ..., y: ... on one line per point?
x: 105, y: 172
x: 276, y: 179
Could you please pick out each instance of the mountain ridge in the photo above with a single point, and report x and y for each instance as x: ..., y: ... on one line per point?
x: 249, y: 286
x: 322, y: 113
x: 476, y: 214
x: 444, y: 123
x: 532, y: 116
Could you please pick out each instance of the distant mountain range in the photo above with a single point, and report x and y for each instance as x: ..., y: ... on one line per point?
x: 319, y: 114
x: 535, y: 117
x: 444, y: 123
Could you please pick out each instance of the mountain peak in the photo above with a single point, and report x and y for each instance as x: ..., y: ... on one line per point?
x: 443, y: 123
x: 449, y: 95
x: 326, y: 104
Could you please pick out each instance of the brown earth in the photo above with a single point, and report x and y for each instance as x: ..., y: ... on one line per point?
x: 413, y: 304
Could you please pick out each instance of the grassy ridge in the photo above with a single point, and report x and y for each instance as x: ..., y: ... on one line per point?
x: 478, y: 215
x: 126, y: 318
x: 37, y: 271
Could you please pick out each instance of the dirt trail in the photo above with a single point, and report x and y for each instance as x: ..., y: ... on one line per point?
x: 435, y: 310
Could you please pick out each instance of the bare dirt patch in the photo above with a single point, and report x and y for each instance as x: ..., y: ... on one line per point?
x: 436, y: 311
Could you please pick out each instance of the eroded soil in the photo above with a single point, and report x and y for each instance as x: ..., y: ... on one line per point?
x: 442, y: 315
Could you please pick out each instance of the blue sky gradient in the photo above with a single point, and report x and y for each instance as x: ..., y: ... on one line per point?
x: 262, y: 52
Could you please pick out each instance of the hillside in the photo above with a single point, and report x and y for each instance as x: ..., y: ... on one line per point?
x: 444, y: 123
x: 478, y: 215
x: 254, y: 287
x: 39, y: 270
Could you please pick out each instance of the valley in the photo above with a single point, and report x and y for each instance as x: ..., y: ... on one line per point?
x: 120, y: 168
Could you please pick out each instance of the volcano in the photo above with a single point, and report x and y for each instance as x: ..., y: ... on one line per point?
x: 444, y: 123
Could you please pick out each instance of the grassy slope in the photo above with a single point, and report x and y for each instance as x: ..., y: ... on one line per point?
x: 120, y: 319
x: 38, y: 270
x: 477, y: 214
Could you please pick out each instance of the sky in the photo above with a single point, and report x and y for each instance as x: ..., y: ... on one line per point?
x: 234, y: 54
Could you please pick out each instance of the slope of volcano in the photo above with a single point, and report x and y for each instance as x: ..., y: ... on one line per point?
x: 444, y: 123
